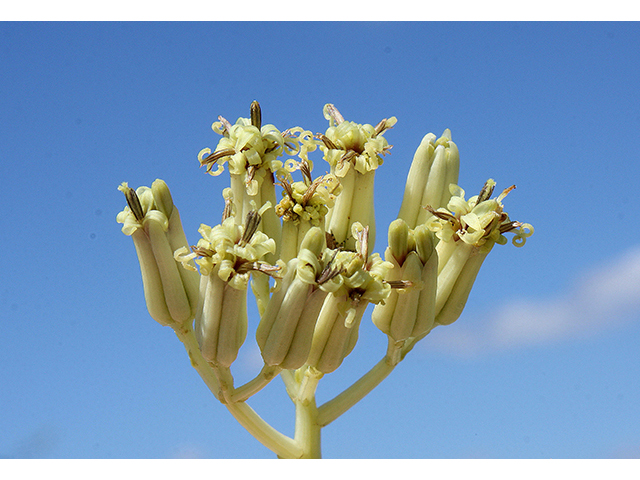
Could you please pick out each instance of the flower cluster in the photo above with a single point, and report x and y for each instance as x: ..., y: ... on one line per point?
x: 307, y: 200
x: 250, y: 149
x: 307, y: 255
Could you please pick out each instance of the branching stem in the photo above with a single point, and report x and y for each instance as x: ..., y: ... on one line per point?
x: 281, y: 445
x: 332, y: 409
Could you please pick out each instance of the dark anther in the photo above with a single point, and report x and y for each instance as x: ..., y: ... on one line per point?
x: 256, y: 115
x: 486, y: 192
x: 134, y: 203
x: 251, y: 226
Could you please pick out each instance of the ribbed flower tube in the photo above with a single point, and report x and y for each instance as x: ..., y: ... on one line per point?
x: 435, y: 166
x: 153, y: 222
x: 221, y: 320
x: 361, y: 282
x: 228, y: 255
x: 467, y: 231
x: 409, y: 309
x: 286, y: 329
x: 354, y: 152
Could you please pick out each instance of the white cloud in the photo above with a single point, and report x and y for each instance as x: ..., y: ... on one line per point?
x: 602, y: 298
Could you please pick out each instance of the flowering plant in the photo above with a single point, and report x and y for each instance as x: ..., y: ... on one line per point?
x: 308, y: 259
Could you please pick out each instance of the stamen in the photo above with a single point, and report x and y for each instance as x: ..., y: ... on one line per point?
x: 212, y: 158
x: 379, y: 128
x: 507, y: 227
x: 505, y: 192
x: 399, y: 283
x: 274, y: 146
x: 267, y: 269
x: 225, y: 123
x: 329, y: 271
x: 362, y: 237
x: 251, y: 173
x: 306, y: 171
x: 133, y: 201
x: 202, y: 252
x: 245, y: 267
x: 333, y: 112
x: 228, y: 208
x: 251, y: 226
x: 287, y: 134
x: 256, y: 115
x: 327, y: 142
x: 486, y: 191
x: 446, y: 216
x: 286, y: 185
x: 382, y: 126
x: 311, y: 189
x: 347, y: 157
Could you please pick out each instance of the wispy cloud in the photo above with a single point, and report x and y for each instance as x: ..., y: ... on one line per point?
x: 602, y: 298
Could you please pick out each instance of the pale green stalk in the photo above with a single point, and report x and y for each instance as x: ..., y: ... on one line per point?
x: 307, y: 430
x: 252, y: 387
x: 282, y: 445
x: 332, y: 409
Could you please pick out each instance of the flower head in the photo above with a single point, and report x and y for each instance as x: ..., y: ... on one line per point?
x: 479, y: 221
x: 347, y: 144
x: 250, y: 148
x: 232, y: 251
x: 144, y: 205
x: 362, y: 275
x: 153, y: 222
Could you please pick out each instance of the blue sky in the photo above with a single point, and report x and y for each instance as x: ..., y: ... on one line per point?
x: 543, y: 363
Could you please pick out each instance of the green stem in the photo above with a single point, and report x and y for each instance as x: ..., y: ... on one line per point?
x: 282, y: 445
x: 186, y: 336
x: 332, y: 409
x: 307, y: 431
x: 290, y: 384
x: 225, y: 379
x: 265, y: 376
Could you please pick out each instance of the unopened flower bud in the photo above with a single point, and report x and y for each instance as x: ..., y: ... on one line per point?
x: 435, y: 166
x: 409, y: 309
x: 399, y: 239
